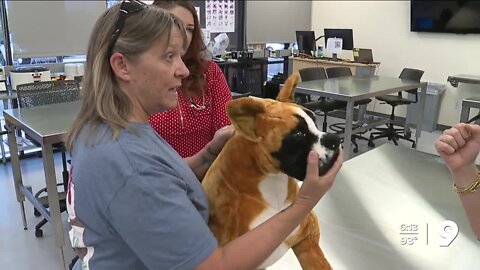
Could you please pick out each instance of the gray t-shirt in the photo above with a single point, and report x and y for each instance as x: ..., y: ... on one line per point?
x: 135, y: 204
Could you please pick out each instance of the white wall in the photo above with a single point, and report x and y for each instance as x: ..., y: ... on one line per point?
x: 384, y: 26
x: 280, y: 27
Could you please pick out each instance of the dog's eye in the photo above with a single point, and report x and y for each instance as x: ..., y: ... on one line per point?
x: 299, y: 134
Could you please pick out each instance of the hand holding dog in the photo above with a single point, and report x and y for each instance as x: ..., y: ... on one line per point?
x: 315, y: 186
x: 459, y: 146
x: 220, y: 138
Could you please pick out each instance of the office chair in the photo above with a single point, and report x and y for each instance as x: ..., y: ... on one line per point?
x: 323, y: 104
x: 312, y: 73
x: 390, y: 132
x: 45, y: 93
x: 335, y: 72
x: 272, y: 87
x: 309, y: 74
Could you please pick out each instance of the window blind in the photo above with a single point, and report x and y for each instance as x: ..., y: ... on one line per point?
x: 51, y: 28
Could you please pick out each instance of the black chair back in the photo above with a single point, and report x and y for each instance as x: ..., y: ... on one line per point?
x: 412, y: 75
x: 312, y: 73
x: 335, y: 72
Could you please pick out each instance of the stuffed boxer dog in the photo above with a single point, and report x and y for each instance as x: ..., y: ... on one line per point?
x: 253, y: 178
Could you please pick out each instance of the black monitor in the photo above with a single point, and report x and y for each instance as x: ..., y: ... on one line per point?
x: 306, y: 42
x: 345, y: 34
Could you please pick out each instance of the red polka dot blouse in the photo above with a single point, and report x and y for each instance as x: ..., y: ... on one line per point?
x: 188, y: 129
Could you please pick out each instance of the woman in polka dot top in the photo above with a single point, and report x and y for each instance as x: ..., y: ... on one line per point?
x: 203, y: 96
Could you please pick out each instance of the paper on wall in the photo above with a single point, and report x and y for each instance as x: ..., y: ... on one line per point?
x: 220, y: 15
x: 334, y: 45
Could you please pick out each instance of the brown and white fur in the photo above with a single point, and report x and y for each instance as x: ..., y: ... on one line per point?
x: 253, y: 178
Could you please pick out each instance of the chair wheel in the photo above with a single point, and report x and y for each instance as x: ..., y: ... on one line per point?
x: 36, y: 213
x: 414, y: 145
x: 371, y: 144
x: 38, y: 233
x: 355, y: 150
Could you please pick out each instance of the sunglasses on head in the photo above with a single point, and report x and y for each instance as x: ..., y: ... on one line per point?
x: 127, y: 7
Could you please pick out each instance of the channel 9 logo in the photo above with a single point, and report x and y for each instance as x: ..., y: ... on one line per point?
x: 448, y: 231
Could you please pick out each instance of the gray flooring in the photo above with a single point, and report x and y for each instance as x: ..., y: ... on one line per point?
x: 20, y: 249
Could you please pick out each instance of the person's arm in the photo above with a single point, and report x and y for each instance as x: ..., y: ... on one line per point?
x: 470, y: 200
x: 201, y: 161
x: 252, y: 248
x: 459, y: 146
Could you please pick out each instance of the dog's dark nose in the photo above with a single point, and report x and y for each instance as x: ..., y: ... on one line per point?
x: 330, y: 141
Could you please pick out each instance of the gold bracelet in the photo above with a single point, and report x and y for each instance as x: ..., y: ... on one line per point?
x: 471, y: 189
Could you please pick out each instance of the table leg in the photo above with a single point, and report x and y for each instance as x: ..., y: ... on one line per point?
x: 17, y: 174
x: 53, y: 198
x: 464, y: 114
x: 2, y: 147
x: 347, y: 139
x: 421, y: 109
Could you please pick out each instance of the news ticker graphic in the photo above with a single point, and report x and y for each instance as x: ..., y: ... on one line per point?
x: 445, y: 232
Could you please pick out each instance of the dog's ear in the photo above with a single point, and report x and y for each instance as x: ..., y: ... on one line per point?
x: 286, y: 94
x: 242, y: 113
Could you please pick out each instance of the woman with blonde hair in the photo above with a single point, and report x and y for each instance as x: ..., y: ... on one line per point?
x: 133, y: 202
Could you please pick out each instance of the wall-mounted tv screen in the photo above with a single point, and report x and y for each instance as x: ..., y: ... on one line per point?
x: 447, y: 16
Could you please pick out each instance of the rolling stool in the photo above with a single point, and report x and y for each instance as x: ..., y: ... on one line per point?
x: 390, y: 132
x: 340, y: 127
x: 44, y: 199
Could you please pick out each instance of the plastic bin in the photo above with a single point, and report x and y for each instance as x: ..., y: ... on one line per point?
x: 433, y: 99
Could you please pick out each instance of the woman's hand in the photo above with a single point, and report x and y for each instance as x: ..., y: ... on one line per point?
x: 220, y: 138
x: 315, y: 186
x: 459, y: 147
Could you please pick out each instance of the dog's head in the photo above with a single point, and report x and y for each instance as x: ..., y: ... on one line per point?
x: 284, y: 130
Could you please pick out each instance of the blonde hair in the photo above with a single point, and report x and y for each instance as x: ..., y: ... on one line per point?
x: 102, y: 99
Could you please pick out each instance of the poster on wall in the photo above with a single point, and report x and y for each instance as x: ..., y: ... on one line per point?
x: 220, y: 16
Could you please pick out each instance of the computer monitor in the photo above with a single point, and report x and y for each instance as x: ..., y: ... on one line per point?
x: 306, y: 42
x: 345, y: 34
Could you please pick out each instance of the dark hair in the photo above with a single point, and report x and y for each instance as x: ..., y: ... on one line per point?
x: 193, y: 58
